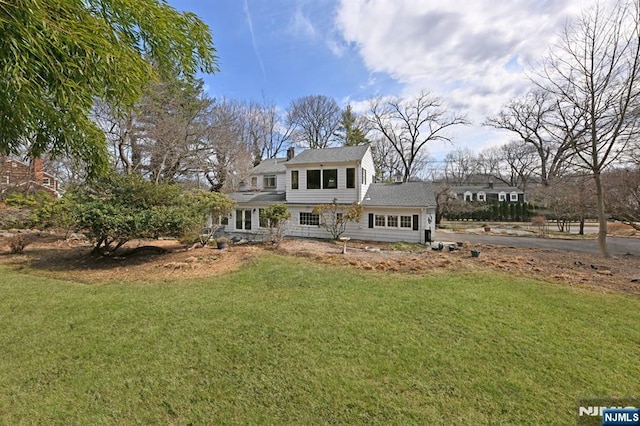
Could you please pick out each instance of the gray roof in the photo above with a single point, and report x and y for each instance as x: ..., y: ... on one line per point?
x: 485, y: 188
x: 407, y: 194
x: 330, y: 155
x: 258, y: 197
x: 270, y: 166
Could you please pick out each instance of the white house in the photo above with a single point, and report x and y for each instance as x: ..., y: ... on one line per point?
x: 392, y: 211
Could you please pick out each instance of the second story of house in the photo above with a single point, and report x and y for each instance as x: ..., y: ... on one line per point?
x: 269, y: 176
x: 316, y: 175
x: 15, y: 173
x: 322, y: 175
x: 488, y: 193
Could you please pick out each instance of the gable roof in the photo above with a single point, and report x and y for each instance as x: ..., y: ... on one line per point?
x: 406, y: 194
x: 485, y: 188
x: 270, y: 166
x: 342, y: 154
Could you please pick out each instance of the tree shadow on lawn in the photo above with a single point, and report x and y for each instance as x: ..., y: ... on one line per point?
x: 63, y: 256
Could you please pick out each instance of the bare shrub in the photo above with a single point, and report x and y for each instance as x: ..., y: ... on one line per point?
x: 541, y: 223
x: 17, y: 243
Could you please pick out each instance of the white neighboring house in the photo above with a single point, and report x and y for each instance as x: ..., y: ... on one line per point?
x: 391, y: 212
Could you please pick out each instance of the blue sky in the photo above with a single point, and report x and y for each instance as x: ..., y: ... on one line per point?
x: 282, y: 50
x: 470, y: 53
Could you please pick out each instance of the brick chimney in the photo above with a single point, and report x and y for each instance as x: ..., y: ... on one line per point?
x: 37, y: 170
x: 291, y: 152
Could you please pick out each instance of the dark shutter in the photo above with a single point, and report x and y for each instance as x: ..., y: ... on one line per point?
x: 370, y: 220
x: 415, y: 222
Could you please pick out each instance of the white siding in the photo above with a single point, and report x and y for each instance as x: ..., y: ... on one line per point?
x: 302, y: 195
x: 280, y: 182
x: 361, y: 230
x: 344, y: 195
x: 367, y: 164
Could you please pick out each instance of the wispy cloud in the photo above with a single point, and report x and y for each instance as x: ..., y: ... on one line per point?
x: 253, y: 39
x: 301, y: 25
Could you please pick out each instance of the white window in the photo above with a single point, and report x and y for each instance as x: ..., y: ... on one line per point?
x: 392, y: 221
x: 482, y: 196
x: 309, y: 219
x: 14, y: 164
x: 6, y: 180
x: 405, y: 222
x: 243, y: 219
x: 513, y: 196
x: 468, y: 196
x: 269, y: 182
x: 502, y: 196
x: 254, y: 182
x: 381, y: 220
x: 46, y: 181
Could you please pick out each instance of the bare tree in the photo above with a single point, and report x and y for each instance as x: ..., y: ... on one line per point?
x: 534, y: 119
x: 314, y: 120
x: 224, y: 150
x: 521, y: 161
x: 171, y: 116
x: 268, y: 133
x: 410, y: 125
x: 385, y: 159
x: 593, y: 74
x: 160, y: 136
x: 459, y: 166
x: 622, y: 195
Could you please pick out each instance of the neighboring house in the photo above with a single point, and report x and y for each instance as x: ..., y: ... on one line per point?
x: 392, y: 212
x: 488, y: 193
x: 28, y: 176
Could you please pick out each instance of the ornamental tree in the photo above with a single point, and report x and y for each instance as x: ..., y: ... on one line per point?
x: 334, y: 217
x: 276, y: 217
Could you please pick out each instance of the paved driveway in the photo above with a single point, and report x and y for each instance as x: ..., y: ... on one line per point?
x: 617, y: 245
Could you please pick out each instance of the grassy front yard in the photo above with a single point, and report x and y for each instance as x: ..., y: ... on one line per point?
x: 289, y: 341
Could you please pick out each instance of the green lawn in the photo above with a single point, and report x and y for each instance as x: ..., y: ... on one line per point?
x: 289, y: 341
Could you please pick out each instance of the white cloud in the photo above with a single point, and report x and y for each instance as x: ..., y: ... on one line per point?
x: 472, y: 54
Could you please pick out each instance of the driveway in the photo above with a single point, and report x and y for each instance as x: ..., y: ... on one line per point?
x: 617, y: 245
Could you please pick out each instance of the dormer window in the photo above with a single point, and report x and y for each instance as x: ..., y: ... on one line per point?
x: 468, y: 196
x: 502, y: 196
x: 482, y: 196
x: 269, y: 182
x: 513, y: 196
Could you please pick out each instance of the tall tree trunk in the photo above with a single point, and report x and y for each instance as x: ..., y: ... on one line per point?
x: 602, y: 217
